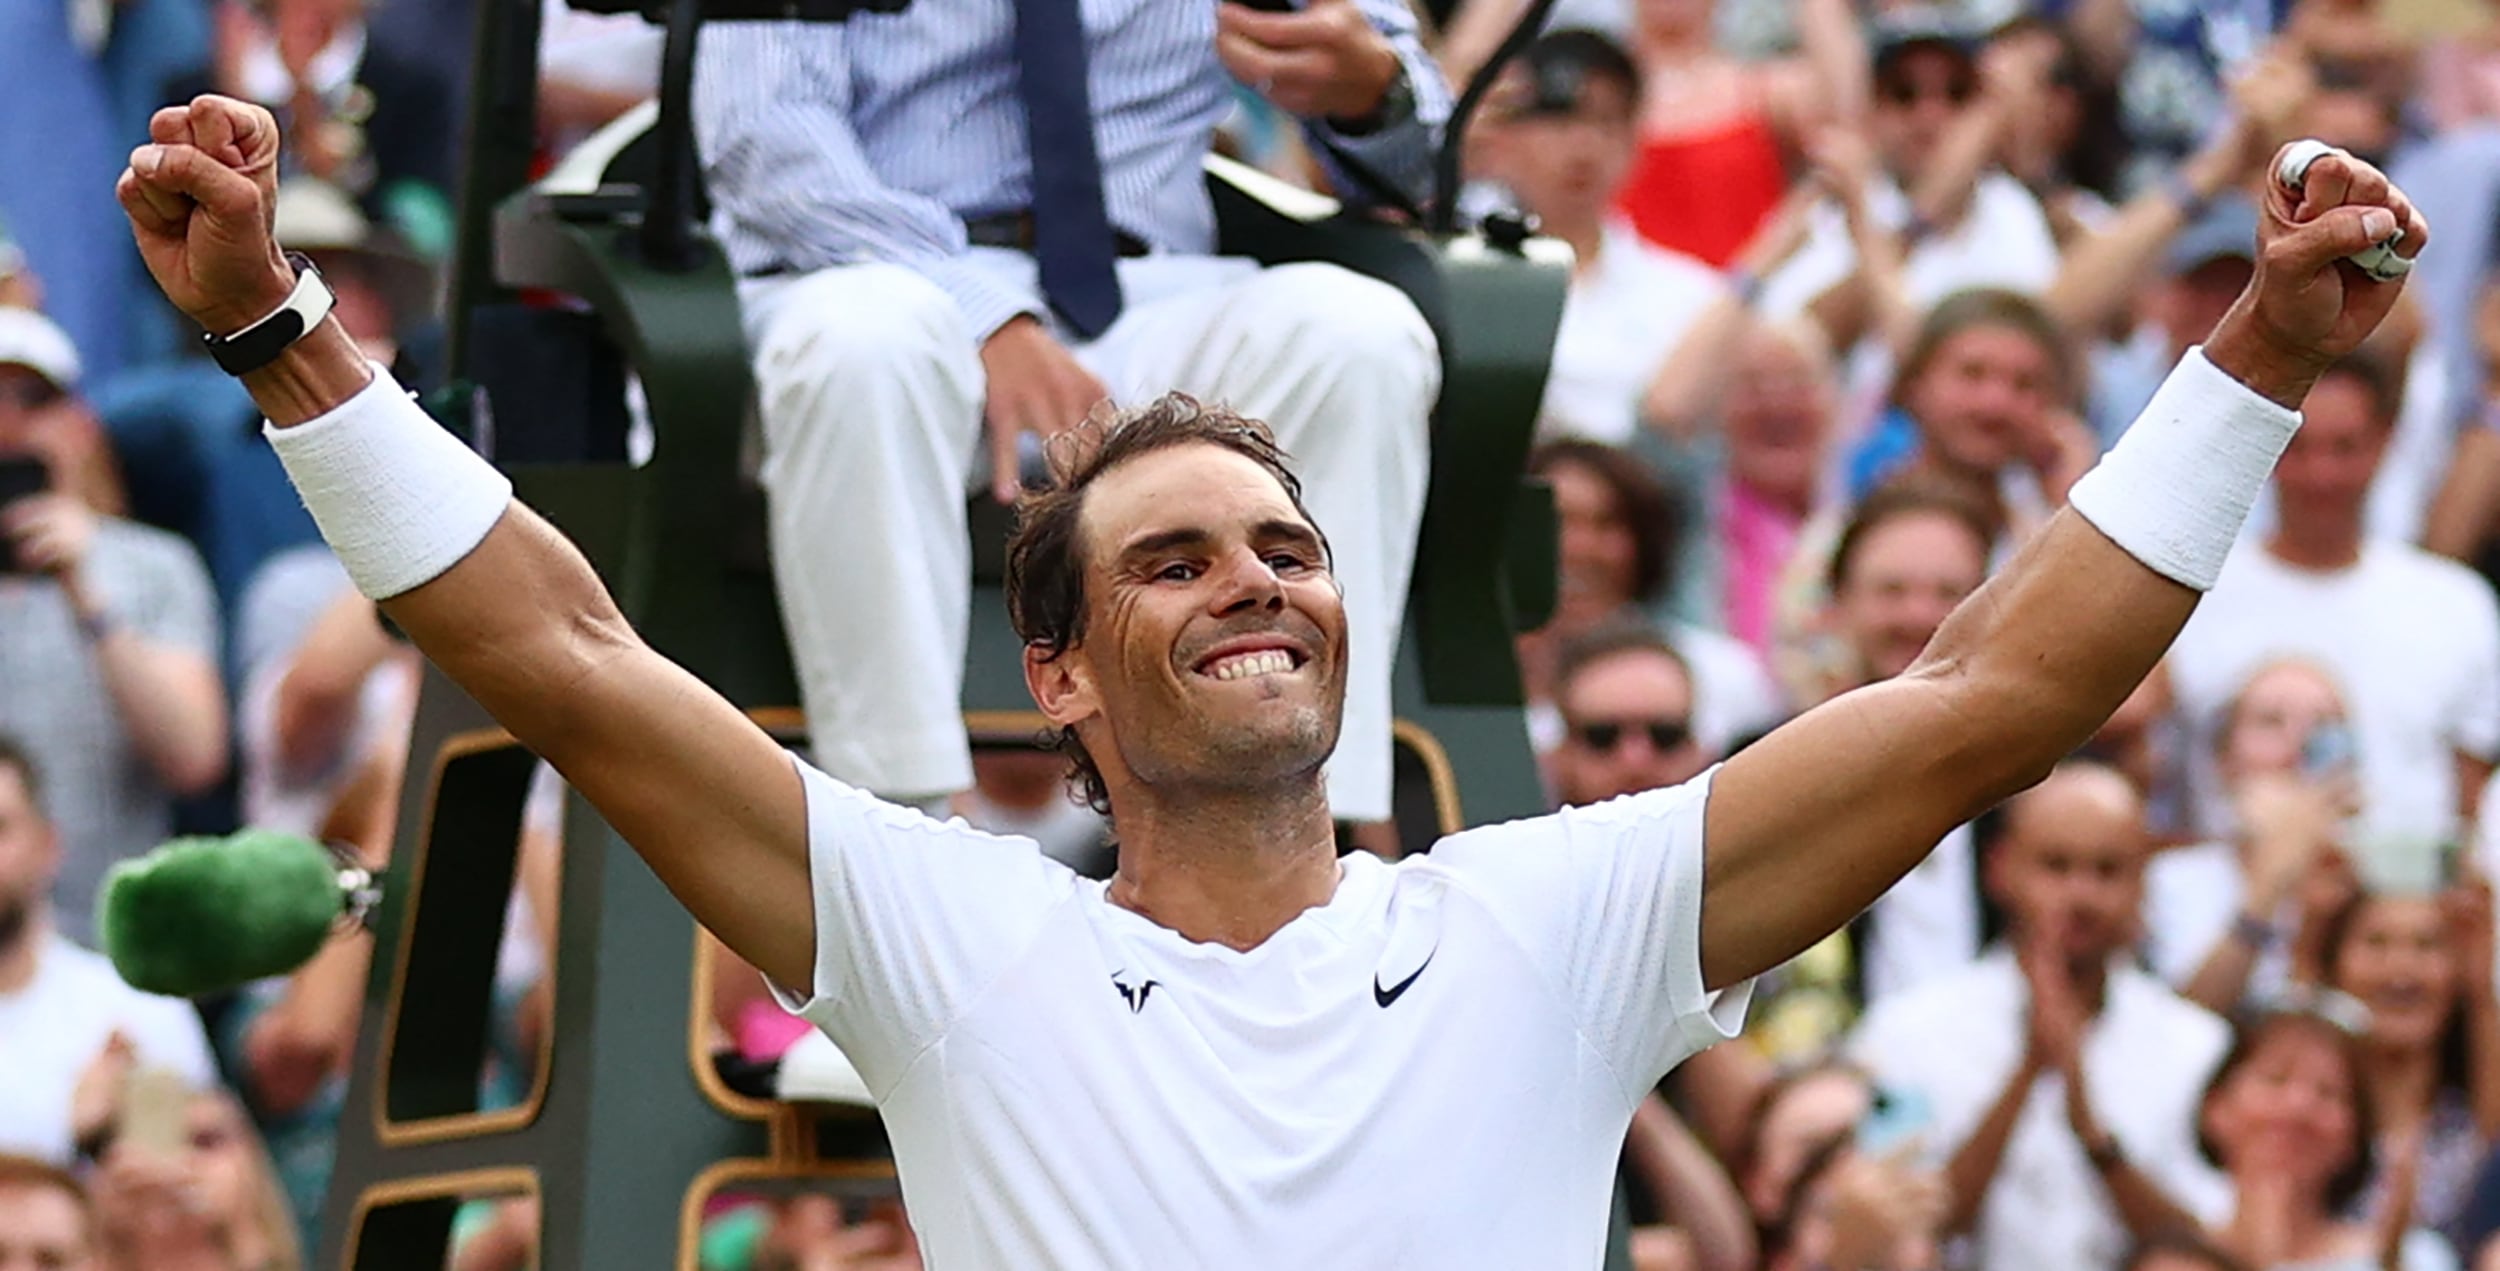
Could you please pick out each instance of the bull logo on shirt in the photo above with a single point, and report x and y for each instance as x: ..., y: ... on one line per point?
x: 1133, y: 994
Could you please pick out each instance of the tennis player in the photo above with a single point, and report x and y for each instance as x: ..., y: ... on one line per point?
x: 1243, y: 1051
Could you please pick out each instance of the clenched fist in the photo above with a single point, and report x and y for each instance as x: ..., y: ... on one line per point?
x: 202, y: 199
x: 2308, y: 305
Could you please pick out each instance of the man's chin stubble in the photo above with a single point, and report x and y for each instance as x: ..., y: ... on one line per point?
x: 16, y: 919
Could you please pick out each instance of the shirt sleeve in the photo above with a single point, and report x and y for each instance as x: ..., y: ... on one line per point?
x: 914, y: 917
x: 1401, y: 150
x: 1607, y: 901
x: 772, y: 113
x: 167, y: 599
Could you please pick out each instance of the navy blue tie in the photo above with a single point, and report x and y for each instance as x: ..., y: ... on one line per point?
x: 1072, y: 240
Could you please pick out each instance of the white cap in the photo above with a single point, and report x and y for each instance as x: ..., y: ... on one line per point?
x: 31, y: 340
x: 315, y: 216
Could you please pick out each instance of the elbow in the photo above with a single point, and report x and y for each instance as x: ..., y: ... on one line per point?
x: 196, y: 765
x: 563, y: 682
x: 288, y: 1064
x: 2007, y: 729
x: 307, y: 730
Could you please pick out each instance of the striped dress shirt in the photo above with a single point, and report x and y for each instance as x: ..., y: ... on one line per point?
x: 876, y: 138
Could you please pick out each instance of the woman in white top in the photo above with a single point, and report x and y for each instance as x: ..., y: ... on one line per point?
x: 2285, y: 1120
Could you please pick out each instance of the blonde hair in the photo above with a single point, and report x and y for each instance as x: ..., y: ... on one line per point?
x: 2227, y: 719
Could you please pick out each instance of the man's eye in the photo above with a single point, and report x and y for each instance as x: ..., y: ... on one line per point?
x: 1176, y: 572
x: 1287, y: 562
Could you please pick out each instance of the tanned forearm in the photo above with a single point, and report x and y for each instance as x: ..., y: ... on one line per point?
x: 2472, y: 775
x: 1974, y: 1165
x: 1685, y: 394
x: 1942, y: 194
x: 319, y: 693
x: 2101, y: 274
x: 2468, y: 503
x: 2142, y: 1205
x: 524, y: 625
x: 1833, y: 46
x: 2106, y: 31
x: 291, y: 1050
x: 1691, y: 1188
x: 168, y: 699
x: 2222, y: 979
x: 1856, y: 792
x: 2021, y: 674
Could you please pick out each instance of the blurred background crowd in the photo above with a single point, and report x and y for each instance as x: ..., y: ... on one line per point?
x: 1861, y: 288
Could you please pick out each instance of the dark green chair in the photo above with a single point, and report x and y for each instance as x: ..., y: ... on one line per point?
x: 628, y: 1125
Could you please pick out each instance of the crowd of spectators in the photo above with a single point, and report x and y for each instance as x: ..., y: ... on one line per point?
x: 1860, y: 289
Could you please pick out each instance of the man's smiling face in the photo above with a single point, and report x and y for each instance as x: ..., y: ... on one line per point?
x: 1214, y: 647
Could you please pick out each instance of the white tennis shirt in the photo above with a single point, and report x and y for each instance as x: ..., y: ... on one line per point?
x: 1435, y: 1069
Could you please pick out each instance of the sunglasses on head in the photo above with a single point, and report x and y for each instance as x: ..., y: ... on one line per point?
x: 1606, y: 734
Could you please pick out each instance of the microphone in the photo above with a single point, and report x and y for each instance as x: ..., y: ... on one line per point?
x: 199, y: 916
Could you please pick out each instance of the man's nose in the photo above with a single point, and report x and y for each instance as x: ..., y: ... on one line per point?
x: 1244, y: 581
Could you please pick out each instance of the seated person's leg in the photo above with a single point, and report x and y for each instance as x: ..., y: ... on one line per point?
x: 1346, y: 371
x: 870, y: 391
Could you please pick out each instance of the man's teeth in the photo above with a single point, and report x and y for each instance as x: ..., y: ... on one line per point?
x: 1243, y: 665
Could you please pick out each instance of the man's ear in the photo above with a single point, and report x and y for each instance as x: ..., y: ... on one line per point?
x: 1062, y: 684
x: 1992, y: 872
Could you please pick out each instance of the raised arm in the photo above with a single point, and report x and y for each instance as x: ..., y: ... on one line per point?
x: 518, y: 619
x: 1809, y: 826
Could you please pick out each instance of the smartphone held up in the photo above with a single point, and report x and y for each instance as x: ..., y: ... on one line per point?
x: 21, y: 477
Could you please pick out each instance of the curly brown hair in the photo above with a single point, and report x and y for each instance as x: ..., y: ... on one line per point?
x: 1046, y: 558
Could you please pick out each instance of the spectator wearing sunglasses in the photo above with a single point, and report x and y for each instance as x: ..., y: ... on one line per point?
x: 1626, y: 698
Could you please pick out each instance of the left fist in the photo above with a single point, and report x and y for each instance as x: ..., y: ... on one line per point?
x: 1322, y: 61
x: 2308, y: 304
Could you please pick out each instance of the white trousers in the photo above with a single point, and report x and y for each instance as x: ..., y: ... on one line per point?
x: 871, y: 388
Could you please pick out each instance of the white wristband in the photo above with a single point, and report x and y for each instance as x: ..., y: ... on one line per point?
x: 399, y: 499
x: 2176, y: 488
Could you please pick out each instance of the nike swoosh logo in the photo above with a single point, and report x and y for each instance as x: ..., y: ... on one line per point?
x: 1389, y: 995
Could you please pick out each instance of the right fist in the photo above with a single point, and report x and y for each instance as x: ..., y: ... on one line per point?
x: 202, y: 201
